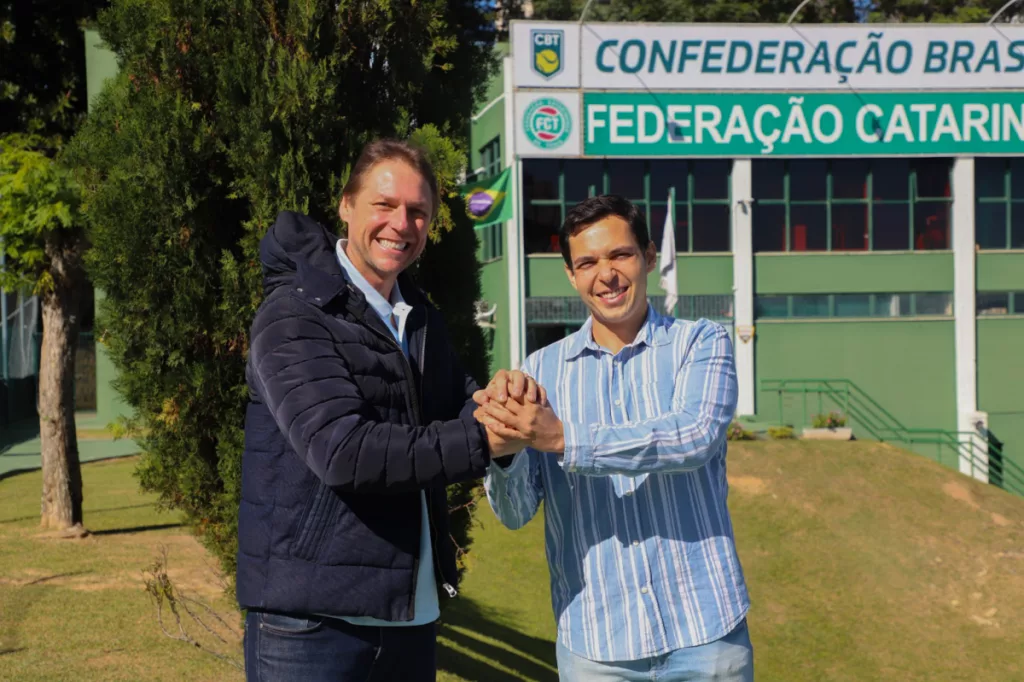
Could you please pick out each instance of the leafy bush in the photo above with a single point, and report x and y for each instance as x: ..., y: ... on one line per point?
x: 781, y: 432
x: 832, y: 420
x: 737, y: 432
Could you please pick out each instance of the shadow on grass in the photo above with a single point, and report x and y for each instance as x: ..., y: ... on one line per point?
x: 136, y: 529
x: 15, y: 608
x: 531, y: 657
x: 88, y: 512
x: 48, y: 578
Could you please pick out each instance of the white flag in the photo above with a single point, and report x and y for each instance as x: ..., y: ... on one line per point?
x: 667, y: 261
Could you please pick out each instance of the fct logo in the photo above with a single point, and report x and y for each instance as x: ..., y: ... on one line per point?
x: 547, y: 123
x: 547, y: 51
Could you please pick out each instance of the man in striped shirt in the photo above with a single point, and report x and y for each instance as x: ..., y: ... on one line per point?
x: 628, y: 444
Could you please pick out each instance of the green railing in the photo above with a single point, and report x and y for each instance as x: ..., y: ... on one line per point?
x: 984, y: 458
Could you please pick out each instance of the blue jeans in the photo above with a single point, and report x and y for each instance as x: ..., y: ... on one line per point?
x: 730, y: 659
x: 304, y: 648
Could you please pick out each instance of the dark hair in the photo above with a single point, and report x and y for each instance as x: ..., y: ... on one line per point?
x: 589, y: 211
x: 392, y: 150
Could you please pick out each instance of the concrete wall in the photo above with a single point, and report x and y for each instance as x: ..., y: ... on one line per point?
x: 494, y: 285
x: 100, y: 66
x: 487, y: 124
x: 494, y: 276
x: 1001, y: 353
x: 851, y: 273
x: 906, y: 365
x: 1000, y: 271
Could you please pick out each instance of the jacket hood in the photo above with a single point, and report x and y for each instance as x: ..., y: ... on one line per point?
x: 293, y: 246
x: 299, y: 249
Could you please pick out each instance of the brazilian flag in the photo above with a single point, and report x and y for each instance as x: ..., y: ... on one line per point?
x: 487, y: 200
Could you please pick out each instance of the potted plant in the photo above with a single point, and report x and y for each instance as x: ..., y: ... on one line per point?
x: 830, y: 426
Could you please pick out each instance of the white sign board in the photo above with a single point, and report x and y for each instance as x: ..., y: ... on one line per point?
x: 547, y: 124
x: 686, y: 57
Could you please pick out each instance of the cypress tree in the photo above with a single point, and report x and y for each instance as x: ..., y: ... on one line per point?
x: 224, y: 113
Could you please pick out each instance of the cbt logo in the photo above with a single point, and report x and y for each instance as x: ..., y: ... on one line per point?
x: 547, y: 51
x: 547, y: 123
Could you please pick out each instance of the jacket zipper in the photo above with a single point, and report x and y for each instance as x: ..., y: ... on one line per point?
x: 416, y: 403
x: 433, y: 531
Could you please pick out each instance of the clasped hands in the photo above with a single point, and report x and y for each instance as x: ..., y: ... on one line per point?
x: 516, y: 412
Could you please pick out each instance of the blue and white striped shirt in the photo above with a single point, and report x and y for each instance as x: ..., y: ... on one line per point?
x: 638, y: 536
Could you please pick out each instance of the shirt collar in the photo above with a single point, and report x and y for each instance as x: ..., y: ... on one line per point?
x: 653, y: 332
x: 381, y: 305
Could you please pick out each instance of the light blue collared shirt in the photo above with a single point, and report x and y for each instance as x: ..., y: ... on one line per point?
x: 639, y: 540
x: 394, y: 314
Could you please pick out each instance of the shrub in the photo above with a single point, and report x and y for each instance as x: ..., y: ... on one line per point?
x: 737, y: 432
x: 781, y: 432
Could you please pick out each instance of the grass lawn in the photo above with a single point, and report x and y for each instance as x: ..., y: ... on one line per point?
x: 864, y: 563
x: 77, y: 609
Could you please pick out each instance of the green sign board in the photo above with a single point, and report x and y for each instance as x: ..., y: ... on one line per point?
x: 803, y: 124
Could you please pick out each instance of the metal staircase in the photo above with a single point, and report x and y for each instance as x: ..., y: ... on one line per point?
x: 970, y: 452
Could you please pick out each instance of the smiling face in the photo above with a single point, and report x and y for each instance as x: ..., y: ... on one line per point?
x: 388, y: 218
x: 609, y: 271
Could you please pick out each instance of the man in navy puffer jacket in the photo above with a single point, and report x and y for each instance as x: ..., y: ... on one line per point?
x: 360, y: 415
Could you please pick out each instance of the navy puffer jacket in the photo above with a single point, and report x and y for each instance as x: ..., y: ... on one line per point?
x: 341, y: 434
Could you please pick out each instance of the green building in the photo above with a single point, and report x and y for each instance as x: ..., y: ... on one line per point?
x: 848, y: 200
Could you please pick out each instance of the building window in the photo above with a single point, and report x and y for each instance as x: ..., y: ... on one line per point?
x: 990, y: 303
x: 999, y: 211
x: 490, y: 158
x: 540, y: 335
x: 551, y: 318
x: 852, y: 204
x: 702, y: 198
x: 490, y: 242
x: 816, y: 306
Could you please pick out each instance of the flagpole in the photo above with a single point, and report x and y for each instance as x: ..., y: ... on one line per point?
x: 672, y: 212
x: 667, y: 256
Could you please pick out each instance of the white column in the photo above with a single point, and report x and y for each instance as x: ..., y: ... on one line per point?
x: 743, y: 283
x: 965, y: 316
x: 514, y: 229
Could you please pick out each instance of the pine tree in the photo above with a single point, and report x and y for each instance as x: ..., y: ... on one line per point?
x: 224, y: 113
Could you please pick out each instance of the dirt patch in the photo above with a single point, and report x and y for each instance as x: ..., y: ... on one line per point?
x: 190, y: 568
x: 961, y: 493
x: 1001, y: 520
x: 986, y: 622
x: 748, y: 484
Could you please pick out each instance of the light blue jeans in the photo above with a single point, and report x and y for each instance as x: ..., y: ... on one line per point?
x: 730, y: 659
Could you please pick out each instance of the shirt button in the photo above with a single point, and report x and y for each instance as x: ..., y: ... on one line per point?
x: 643, y: 590
x: 636, y: 543
x: 628, y: 493
x: 618, y: 402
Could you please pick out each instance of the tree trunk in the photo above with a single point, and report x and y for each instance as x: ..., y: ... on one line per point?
x: 62, y: 474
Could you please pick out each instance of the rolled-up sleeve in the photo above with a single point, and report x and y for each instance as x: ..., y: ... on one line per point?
x: 515, y: 492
